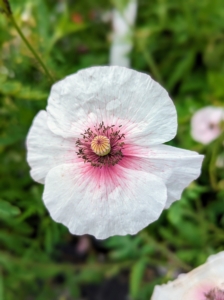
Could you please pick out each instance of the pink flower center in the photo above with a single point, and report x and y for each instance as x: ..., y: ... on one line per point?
x: 101, y: 146
x: 214, y: 294
x: 212, y: 126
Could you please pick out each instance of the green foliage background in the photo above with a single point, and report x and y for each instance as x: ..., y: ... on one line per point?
x: 181, y: 44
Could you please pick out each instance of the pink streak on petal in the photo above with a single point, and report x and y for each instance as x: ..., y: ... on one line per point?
x: 199, y: 291
x: 111, y: 177
x: 138, y: 158
x: 114, y: 176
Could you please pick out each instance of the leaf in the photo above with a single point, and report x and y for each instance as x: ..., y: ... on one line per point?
x: 30, y: 94
x: 64, y: 28
x: 216, y: 81
x: 5, y: 7
x: 24, y: 92
x: 181, y: 69
x: 3, y: 78
x: 9, y: 140
x: 120, y: 4
x: 137, y: 273
x: 7, y: 209
x: 10, y: 87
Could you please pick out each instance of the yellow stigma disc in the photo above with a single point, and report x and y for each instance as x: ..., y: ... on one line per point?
x: 100, y: 145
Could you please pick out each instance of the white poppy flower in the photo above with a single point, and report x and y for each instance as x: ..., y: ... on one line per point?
x: 98, y: 151
x: 205, y: 124
x: 122, y: 37
x: 203, y: 283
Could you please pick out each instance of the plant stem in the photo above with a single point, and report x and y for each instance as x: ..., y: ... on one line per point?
x: 166, y: 251
x: 30, y: 47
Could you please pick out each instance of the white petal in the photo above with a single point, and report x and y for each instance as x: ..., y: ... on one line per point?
x: 216, y: 257
x: 103, y: 202
x: 45, y: 149
x: 132, y: 99
x: 176, y: 167
x: 196, y: 283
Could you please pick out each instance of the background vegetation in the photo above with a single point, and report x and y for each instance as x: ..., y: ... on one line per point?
x: 181, y: 44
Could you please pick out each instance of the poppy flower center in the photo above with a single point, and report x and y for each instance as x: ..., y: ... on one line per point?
x: 215, y: 294
x: 101, y: 146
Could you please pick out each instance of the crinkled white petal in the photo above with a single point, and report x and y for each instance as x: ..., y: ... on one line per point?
x: 112, y: 94
x: 195, y: 284
x: 176, y: 167
x: 103, y: 202
x: 45, y: 149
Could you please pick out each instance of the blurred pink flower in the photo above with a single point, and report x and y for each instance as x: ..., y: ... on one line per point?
x: 203, y: 283
x: 205, y: 124
x: 98, y: 151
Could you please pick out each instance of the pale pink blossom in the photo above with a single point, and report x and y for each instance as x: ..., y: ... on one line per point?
x: 205, y: 124
x: 203, y: 283
x: 97, y: 148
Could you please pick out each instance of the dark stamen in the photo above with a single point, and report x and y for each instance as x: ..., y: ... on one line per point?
x: 214, y: 294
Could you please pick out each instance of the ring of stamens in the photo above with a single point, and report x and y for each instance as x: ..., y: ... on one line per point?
x: 101, y: 146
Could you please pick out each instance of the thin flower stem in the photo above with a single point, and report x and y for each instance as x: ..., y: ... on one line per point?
x: 30, y: 47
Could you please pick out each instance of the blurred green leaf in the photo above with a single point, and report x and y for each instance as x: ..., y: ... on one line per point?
x: 7, y: 209
x: 181, y: 69
x: 15, y: 88
x: 120, y: 4
x: 5, y: 7
x: 137, y: 273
